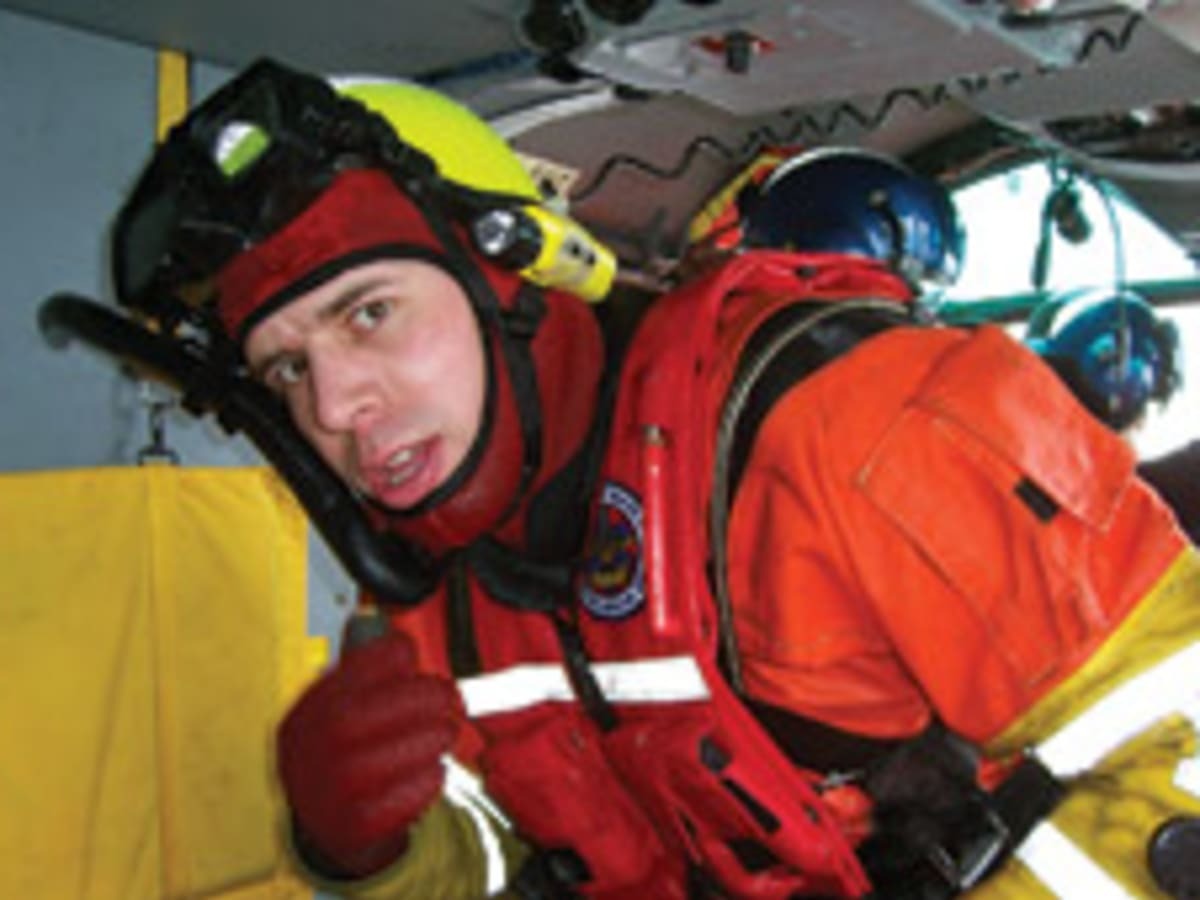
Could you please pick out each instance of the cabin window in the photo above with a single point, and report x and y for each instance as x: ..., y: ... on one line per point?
x: 1003, y: 218
x: 1095, y: 236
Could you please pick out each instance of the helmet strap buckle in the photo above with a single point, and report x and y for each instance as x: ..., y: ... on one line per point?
x: 523, y: 319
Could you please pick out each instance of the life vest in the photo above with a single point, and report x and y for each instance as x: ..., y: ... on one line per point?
x: 640, y: 758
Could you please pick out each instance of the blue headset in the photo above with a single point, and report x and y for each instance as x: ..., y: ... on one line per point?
x: 1112, y: 348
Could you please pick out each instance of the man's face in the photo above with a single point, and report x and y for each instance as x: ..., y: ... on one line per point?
x: 383, y: 370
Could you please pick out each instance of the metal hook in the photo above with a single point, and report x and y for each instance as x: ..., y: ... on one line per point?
x: 157, y: 448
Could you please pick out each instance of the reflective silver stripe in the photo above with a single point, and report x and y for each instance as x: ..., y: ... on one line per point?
x: 465, y: 791
x: 515, y: 688
x: 668, y: 679
x: 1171, y: 686
x: 1065, y: 869
x: 665, y: 680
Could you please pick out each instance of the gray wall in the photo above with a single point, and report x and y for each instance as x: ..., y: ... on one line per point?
x: 78, y: 117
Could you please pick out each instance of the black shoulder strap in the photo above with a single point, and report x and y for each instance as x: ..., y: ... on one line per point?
x: 788, y: 347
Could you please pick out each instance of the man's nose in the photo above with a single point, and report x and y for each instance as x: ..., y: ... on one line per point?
x: 341, y: 387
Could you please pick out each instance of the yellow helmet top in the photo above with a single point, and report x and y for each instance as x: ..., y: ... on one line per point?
x: 466, y: 149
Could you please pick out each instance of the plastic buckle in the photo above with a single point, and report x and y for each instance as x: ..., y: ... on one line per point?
x: 966, y: 863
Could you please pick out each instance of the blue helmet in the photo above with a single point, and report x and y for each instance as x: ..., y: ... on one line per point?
x: 847, y: 200
x: 1111, y: 348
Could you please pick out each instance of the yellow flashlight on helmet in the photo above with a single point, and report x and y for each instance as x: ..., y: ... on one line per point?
x: 548, y: 249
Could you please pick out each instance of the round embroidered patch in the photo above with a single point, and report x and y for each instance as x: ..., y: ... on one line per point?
x: 613, y: 584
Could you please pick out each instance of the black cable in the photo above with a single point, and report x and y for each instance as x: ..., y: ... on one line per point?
x: 1117, y: 43
x: 925, y: 98
x: 669, y: 174
x: 766, y: 136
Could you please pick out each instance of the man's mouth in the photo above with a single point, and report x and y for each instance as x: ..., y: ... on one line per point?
x: 405, y: 476
x: 401, y: 466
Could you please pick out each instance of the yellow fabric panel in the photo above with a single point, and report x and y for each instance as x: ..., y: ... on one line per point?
x: 1164, y: 622
x: 1112, y: 811
x: 152, y: 627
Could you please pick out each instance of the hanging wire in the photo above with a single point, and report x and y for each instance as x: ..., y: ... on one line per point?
x: 1125, y: 337
x: 1063, y: 178
x: 1104, y: 189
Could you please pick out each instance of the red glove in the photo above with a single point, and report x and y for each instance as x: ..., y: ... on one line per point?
x: 359, y: 754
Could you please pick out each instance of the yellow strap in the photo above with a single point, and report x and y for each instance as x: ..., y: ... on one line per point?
x: 172, y: 91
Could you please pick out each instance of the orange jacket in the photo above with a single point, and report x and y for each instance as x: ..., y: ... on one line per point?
x: 934, y: 526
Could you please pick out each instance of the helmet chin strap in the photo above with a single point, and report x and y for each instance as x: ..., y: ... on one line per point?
x: 517, y: 327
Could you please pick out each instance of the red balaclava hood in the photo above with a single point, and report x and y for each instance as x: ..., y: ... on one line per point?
x: 364, y: 216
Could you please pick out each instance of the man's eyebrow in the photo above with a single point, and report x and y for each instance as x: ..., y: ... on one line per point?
x: 347, y: 298
x: 330, y: 310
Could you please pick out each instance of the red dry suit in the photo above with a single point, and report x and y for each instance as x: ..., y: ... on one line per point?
x: 685, y: 774
x: 672, y: 774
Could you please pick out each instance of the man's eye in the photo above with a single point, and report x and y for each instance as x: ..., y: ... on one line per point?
x: 368, y: 315
x: 286, y: 372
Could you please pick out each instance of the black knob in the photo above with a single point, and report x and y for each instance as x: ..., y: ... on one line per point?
x: 554, y: 26
x: 1174, y: 857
